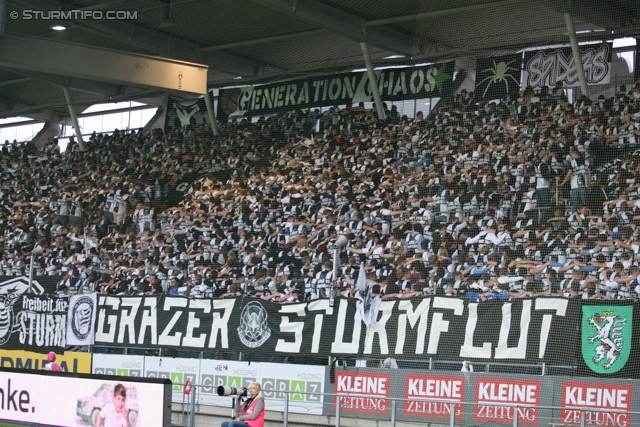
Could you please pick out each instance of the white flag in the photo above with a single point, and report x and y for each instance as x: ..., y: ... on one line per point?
x: 361, y: 284
x: 367, y: 306
x: 81, y: 319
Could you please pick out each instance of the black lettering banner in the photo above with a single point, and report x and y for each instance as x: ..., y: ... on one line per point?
x: 29, y: 319
x: 20, y: 284
x: 547, y: 67
x: 184, y: 186
x: 33, y: 322
x: 532, y: 330
x: 181, y: 114
x: 394, y: 84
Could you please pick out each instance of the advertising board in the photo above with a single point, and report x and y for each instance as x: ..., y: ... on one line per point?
x: 366, y: 392
x: 430, y: 396
x: 75, y: 400
x: 578, y: 396
x: 306, y: 382
x: 70, y: 361
x: 492, y: 393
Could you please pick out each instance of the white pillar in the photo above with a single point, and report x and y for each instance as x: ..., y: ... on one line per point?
x: 74, y: 118
x: 212, y: 114
x: 372, y: 80
x: 576, y: 53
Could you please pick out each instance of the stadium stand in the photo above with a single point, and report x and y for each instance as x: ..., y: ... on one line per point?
x: 479, y: 200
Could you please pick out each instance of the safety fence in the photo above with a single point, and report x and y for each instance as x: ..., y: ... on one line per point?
x: 404, y: 395
x: 441, y: 412
x: 473, y: 396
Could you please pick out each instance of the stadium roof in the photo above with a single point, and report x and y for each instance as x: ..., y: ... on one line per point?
x: 250, y: 41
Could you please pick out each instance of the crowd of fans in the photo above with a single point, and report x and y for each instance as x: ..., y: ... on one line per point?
x: 526, y: 196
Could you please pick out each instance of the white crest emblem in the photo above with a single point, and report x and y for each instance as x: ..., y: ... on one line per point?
x: 610, y: 337
x: 7, y: 318
x: 253, y: 330
x: 82, y: 313
x: 10, y: 292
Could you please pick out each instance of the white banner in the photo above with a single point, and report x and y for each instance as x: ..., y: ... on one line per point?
x: 305, y: 381
x: 548, y: 67
x: 57, y: 400
x: 81, y: 319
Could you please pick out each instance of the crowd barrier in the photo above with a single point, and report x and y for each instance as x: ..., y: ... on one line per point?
x: 393, y: 394
x: 425, y: 396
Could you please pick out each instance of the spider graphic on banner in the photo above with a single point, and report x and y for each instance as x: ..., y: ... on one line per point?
x: 501, y: 72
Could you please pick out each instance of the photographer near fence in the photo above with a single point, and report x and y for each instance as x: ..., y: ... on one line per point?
x: 251, y: 411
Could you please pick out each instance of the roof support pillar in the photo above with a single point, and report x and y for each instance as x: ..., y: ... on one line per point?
x: 212, y: 114
x: 74, y: 118
x: 372, y: 80
x: 576, y: 54
x: 636, y: 68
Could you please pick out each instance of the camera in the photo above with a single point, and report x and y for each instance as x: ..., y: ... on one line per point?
x: 232, y: 391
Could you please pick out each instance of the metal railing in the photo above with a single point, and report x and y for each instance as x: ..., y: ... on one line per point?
x: 452, y: 413
x: 518, y: 414
x: 427, y: 364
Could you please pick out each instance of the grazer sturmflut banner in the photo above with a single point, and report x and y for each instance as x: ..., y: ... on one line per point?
x: 520, y: 330
x: 547, y: 67
x: 394, y: 84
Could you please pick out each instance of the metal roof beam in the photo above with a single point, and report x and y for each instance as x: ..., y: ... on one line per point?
x: 443, y: 12
x: 344, y: 23
x: 99, y: 88
x: 16, y: 81
x: 25, y: 110
x: 263, y: 40
x: 513, y: 45
x: 157, y: 43
x: 594, y: 12
x: 94, y: 64
x: 436, y: 56
x: 153, y: 41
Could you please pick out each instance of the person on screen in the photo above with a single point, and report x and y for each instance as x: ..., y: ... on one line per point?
x: 251, y: 411
x: 115, y: 414
x: 52, y: 365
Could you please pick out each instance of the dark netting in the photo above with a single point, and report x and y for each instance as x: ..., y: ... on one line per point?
x: 471, y: 210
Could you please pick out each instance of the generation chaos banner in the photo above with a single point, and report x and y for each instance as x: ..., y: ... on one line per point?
x: 394, y: 84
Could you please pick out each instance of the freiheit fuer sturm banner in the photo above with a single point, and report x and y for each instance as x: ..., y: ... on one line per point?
x: 33, y: 322
x: 394, y: 84
x: 520, y: 330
